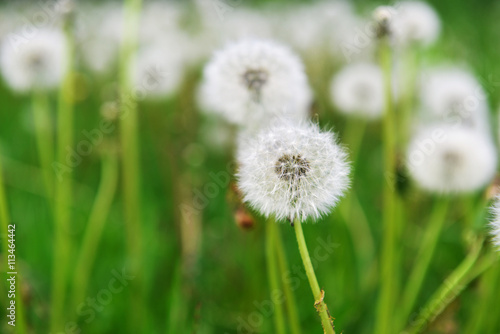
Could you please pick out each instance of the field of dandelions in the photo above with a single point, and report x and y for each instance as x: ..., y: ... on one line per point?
x: 231, y: 166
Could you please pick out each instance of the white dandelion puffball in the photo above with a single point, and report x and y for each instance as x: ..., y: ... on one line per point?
x: 495, y: 223
x: 358, y: 90
x: 451, y: 159
x: 454, y: 94
x: 251, y: 81
x: 158, y: 71
x: 415, y: 22
x: 34, y: 63
x: 292, y: 171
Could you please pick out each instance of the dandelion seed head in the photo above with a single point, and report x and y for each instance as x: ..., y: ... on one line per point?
x: 358, y: 90
x: 292, y: 171
x: 495, y: 223
x: 158, y: 71
x: 415, y: 22
x: 450, y: 159
x: 36, y: 63
x: 248, y: 81
x: 451, y: 93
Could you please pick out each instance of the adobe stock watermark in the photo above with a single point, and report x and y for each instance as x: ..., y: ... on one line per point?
x: 88, y: 309
x: 95, y: 137
x: 296, y: 276
x: 46, y: 15
x: 210, y: 190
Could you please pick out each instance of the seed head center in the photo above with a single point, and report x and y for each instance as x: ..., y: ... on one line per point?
x: 254, y: 80
x: 291, y: 167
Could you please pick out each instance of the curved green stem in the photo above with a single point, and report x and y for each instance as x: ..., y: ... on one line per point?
x: 318, y: 294
x: 388, y: 274
x: 424, y: 256
x: 44, y: 139
x: 272, y: 272
x: 63, y: 193
x: 291, y: 303
x: 95, y: 225
x: 449, y: 290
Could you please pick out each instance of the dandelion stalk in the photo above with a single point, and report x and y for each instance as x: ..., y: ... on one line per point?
x: 450, y: 289
x: 272, y: 271
x: 318, y: 294
x: 350, y: 209
x: 95, y: 225
x: 44, y: 139
x: 424, y: 256
x: 291, y: 304
x: 388, y: 261
x: 63, y: 191
x: 130, y: 151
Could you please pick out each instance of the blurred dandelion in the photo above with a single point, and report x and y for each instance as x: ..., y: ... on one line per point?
x: 247, y: 81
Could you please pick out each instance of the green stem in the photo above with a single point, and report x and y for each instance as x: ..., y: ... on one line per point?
x: 63, y: 193
x: 388, y: 274
x: 130, y: 158
x: 318, y: 294
x: 272, y: 272
x: 408, y: 97
x: 129, y: 134
x: 449, y: 290
x: 95, y: 225
x: 291, y: 303
x: 44, y: 139
x: 424, y: 256
x: 351, y: 210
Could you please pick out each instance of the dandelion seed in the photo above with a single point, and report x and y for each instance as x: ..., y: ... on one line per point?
x: 447, y: 159
x: 250, y: 81
x: 358, y: 90
x: 293, y: 171
x: 36, y: 63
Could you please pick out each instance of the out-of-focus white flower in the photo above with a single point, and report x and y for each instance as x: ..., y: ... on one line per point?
x: 292, y: 171
x: 453, y: 94
x: 415, y: 22
x: 358, y: 90
x: 383, y: 16
x: 158, y: 70
x: 250, y: 81
x: 495, y: 223
x: 34, y: 63
x: 451, y: 159
x: 100, y: 42
x: 160, y: 18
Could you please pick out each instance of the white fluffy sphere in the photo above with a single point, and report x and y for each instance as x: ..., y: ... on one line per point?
x: 158, y: 70
x: 38, y: 62
x: 358, y: 89
x: 447, y: 159
x: 415, y: 22
x: 454, y: 94
x: 250, y: 81
x: 292, y: 171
